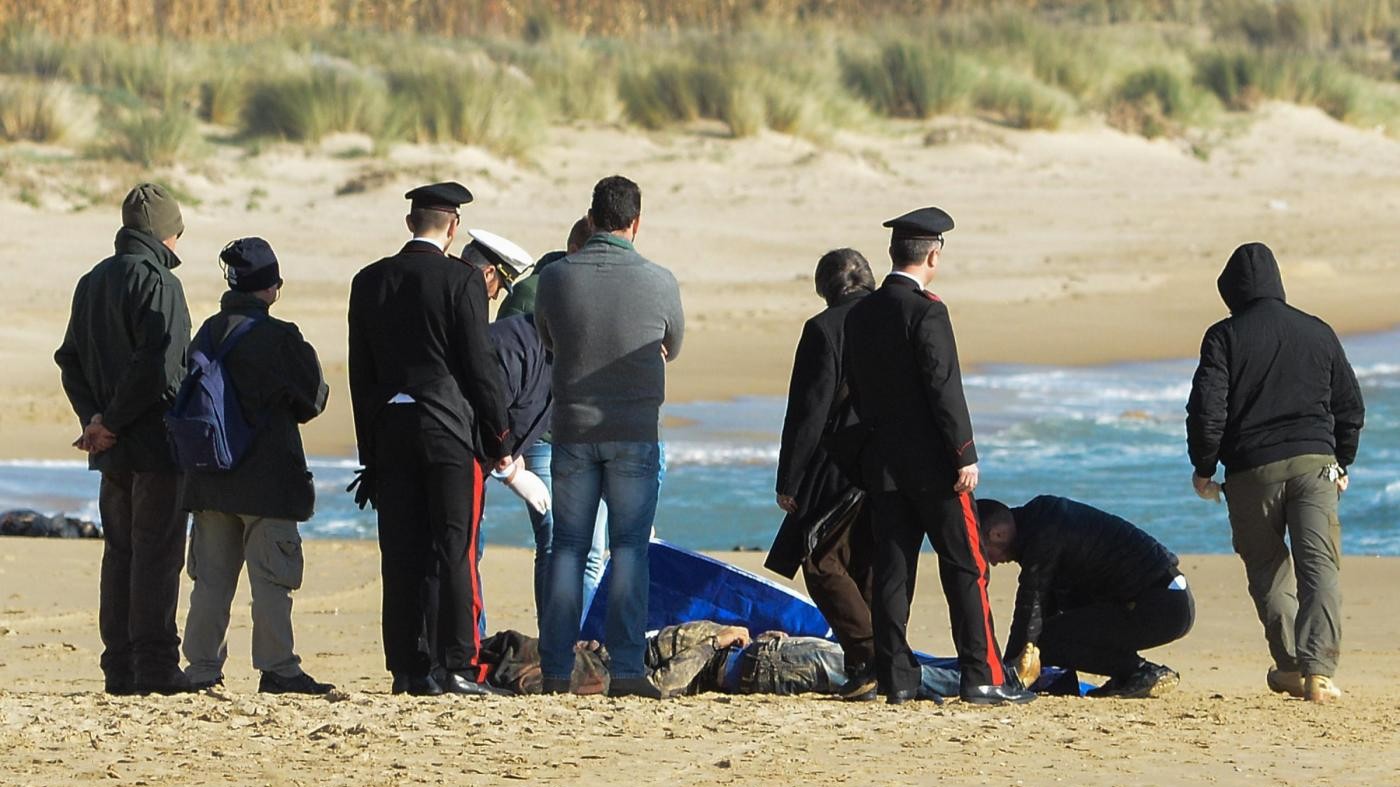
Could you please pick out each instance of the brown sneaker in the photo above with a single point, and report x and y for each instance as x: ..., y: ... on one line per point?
x: 1320, y: 689
x: 1283, y: 682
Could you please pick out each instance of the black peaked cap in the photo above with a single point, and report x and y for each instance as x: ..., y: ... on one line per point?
x: 446, y: 196
x: 921, y: 223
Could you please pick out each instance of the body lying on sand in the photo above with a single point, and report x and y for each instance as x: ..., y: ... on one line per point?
x: 878, y: 454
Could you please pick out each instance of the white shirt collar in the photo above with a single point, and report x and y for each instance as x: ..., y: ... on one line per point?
x: 917, y: 283
x: 433, y: 241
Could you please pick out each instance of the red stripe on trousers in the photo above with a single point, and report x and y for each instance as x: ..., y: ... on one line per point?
x: 478, y: 480
x: 970, y: 524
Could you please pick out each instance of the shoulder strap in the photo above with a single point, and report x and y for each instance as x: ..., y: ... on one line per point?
x: 231, y: 339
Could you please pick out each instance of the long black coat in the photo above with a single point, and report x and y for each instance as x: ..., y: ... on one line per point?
x: 279, y: 383
x: 805, y: 470
x: 418, y: 326
x: 124, y: 352
x: 902, y: 366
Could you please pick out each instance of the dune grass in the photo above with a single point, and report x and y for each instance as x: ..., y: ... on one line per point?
x: 50, y: 112
x: 1150, y: 67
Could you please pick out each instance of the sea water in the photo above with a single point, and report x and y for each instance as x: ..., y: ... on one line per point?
x: 1111, y: 436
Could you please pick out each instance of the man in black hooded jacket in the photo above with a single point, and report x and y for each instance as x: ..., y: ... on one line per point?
x: 1276, y: 402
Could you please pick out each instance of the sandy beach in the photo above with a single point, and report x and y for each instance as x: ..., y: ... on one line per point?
x: 1076, y: 247
x: 1080, y: 246
x: 1221, y: 726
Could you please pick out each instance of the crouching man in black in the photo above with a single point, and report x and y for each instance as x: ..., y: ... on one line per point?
x: 1094, y: 591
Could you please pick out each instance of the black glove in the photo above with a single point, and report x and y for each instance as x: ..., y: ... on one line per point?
x: 363, y: 487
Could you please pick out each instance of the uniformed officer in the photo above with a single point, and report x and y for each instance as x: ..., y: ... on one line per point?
x: 501, y: 261
x: 430, y: 416
x: 915, y: 457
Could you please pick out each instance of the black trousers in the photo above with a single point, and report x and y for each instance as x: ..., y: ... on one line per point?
x: 143, y: 552
x: 428, y: 495
x: 900, y: 522
x: 1105, y: 637
x: 840, y: 578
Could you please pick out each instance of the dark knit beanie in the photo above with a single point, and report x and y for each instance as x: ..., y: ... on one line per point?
x: 250, y: 265
x: 150, y: 209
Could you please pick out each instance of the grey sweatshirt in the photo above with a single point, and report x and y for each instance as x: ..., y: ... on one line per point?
x: 606, y: 312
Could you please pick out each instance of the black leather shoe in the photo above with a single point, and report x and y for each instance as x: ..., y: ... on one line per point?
x: 272, y: 683
x: 171, y: 681
x: 996, y: 695
x: 416, y: 685
x: 456, y: 683
x: 901, y: 696
x: 554, y: 686
x: 1150, y: 680
x: 633, y: 687
x: 860, y: 683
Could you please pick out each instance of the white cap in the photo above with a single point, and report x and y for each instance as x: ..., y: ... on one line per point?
x: 514, y: 256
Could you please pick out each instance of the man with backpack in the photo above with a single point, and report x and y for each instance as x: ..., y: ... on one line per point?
x: 122, y: 358
x: 270, y: 380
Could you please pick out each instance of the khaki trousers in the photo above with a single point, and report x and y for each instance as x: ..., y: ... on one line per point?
x: 1299, y: 600
x: 220, y: 544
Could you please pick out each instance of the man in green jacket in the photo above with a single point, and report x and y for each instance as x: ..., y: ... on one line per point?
x: 521, y: 298
x: 250, y: 512
x: 122, y: 360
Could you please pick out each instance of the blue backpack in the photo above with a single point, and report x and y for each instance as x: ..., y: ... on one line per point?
x: 206, y: 426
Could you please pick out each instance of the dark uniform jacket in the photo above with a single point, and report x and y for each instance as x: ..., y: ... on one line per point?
x: 525, y: 369
x: 1071, y: 555
x: 902, y: 365
x: 278, y: 379
x: 124, y: 352
x: 1273, y: 382
x: 805, y: 470
x: 418, y: 326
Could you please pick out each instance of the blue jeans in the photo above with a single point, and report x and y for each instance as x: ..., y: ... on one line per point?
x: 537, y: 458
x: 629, y: 475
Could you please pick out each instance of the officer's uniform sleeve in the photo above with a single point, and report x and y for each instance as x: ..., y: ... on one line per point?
x: 1208, y: 407
x: 485, y: 389
x: 363, y: 378
x: 810, y: 395
x: 937, y: 357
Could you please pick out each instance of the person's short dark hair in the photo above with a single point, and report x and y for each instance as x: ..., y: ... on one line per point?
x: 617, y: 202
x: 841, y: 272
x: 911, y: 251
x: 425, y: 220
x: 992, y: 512
x: 579, y: 234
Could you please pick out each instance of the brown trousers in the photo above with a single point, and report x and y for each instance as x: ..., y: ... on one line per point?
x: 840, y: 578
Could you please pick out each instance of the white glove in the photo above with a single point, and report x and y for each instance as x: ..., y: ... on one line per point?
x: 527, y: 486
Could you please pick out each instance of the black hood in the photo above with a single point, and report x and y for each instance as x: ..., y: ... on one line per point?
x: 1251, y: 274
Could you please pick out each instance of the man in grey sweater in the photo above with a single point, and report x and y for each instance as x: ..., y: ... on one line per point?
x: 613, y: 319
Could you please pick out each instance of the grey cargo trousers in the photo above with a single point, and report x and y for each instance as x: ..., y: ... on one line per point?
x: 1299, y: 600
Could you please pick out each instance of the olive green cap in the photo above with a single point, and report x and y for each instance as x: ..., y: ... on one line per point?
x: 149, y: 208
